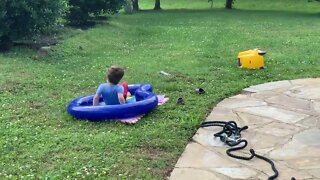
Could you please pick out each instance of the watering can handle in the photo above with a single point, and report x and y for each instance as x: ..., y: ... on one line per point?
x: 262, y: 53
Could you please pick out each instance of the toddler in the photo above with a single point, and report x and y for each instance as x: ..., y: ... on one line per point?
x: 111, y: 92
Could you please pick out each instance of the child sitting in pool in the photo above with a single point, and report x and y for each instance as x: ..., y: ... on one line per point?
x: 111, y: 92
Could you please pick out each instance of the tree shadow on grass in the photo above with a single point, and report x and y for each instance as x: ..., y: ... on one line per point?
x: 91, y: 23
x: 233, y: 11
x: 44, y: 40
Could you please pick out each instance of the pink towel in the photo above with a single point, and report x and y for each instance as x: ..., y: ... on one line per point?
x: 162, y: 99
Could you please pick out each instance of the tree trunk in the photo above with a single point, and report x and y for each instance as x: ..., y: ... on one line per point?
x: 157, y: 5
x: 229, y: 4
x: 135, y: 5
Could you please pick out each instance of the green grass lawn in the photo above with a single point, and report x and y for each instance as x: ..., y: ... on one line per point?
x: 194, y: 43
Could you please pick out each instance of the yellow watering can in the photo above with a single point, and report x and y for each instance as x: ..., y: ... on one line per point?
x: 251, y: 59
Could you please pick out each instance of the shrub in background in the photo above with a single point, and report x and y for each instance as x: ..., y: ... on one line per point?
x: 82, y: 10
x: 26, y: 18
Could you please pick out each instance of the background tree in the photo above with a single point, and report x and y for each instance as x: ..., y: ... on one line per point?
x: 229, y: 4
x: 25, y: 18
x: 157, y: 5
x: 135, y: 5
x: 211, y: 3
x: 81, y: 11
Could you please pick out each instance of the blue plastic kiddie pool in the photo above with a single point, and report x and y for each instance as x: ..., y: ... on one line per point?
x: 146, y: 101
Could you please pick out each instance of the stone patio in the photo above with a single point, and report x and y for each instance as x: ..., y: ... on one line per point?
x: 284, y: 125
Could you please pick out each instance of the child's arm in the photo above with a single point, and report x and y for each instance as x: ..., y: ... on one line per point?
x: 96, y: 100
x: 120, y: 92
x: 97, y: 96
x: 121, y: 98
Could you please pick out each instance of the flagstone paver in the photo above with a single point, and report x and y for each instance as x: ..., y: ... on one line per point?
x: 289, y: 102
x: 193, y: 173
x: 305, y: 93
x: 269, y: 86
x: 283, y: 115
x: 237, y: 173
x: 284, y: 125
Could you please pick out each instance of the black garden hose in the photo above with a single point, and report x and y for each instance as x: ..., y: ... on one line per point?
x: 231, y: 135
x: 276, y: 173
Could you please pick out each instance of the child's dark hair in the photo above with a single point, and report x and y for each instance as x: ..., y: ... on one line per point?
x: 115, y: 74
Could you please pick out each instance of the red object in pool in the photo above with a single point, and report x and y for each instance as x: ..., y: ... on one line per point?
x: 125, y: 89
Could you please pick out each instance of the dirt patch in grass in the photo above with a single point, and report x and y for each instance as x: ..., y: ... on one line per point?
x: 151, y: 152
x: 37, y: 104
x: 183, y: 77
x: 11, y: 86
x: 159, y: 168
x: 54, y: 95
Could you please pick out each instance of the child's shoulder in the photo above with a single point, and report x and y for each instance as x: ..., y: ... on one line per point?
x: 104, y: 86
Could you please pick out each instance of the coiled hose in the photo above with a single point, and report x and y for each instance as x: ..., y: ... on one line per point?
x: 231, y: 135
